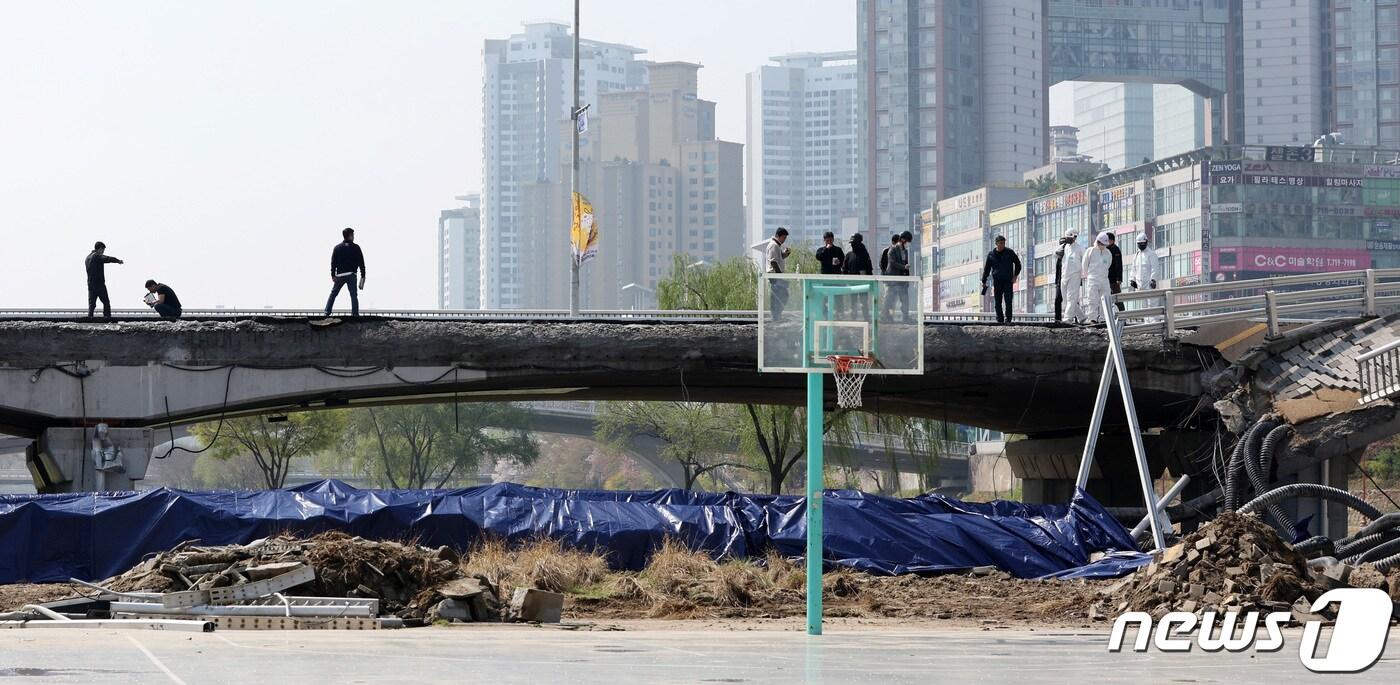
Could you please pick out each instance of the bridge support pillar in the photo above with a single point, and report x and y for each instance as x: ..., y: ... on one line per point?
x: 90, y: 459
x: 1047, y: 466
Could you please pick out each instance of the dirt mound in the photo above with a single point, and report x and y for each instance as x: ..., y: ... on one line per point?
x: 1234, y: 563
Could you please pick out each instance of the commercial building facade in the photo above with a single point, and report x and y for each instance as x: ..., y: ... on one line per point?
x: 802, y: 165
x: 1215, y: 214
x: 955, y: 241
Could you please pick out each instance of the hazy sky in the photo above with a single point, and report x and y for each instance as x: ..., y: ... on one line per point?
x: 220, y: 146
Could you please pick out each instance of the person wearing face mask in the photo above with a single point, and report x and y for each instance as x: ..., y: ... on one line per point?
x: 1094, y: 272
x: 1068, y: 261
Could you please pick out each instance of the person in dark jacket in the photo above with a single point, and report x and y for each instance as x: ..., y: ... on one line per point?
x: 95, y: 264
x: 163, y: 299
x: 1004, y: 267
x: 346, y: 259
x: 1115, y: 270
x: 858, y: 261
x: 830, y: 256
x: 858, y: 264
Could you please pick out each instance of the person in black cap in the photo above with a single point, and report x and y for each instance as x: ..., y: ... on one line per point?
x: 95, y: 264
x: 1004, y: 267
x: 858, y: 264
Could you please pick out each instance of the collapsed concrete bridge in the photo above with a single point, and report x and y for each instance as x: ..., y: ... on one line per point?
x: 1192, y: 393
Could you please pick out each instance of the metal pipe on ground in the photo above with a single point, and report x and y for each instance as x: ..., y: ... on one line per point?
x: 361, y: 611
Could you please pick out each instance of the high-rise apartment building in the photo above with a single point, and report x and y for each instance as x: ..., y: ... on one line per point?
x: 527, y: 90
x: 953, y: 92
x: 660, y: 185
x: 802, y: 162
x: 953, y: 95
x: 1366, y: 71
x: 1286, y: 53
x: 1123, y: 124
x: 459, y: 255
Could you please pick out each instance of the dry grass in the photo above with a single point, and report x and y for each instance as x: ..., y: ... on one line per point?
x: 542, y: 563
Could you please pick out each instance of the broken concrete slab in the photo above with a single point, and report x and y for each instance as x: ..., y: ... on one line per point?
x: 536, y: 606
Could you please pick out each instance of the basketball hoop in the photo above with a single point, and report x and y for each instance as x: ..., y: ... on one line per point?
x: 850, y: 377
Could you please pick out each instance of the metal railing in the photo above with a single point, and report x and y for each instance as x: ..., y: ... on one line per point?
x: 1379, y: 370
x: 506, y: 315
x: 1274, y: 300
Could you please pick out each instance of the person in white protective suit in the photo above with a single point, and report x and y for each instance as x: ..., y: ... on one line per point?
x: 1070, y: 262
x: 1097, y: 259
x: 1144, y: 274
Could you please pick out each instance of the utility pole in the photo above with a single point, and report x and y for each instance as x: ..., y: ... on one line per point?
x: 573, y: 181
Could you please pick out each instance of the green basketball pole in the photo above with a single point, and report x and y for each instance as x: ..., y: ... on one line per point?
x: 815, y: 478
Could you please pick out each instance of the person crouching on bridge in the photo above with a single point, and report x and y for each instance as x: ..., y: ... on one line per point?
x: 346, y: 259
x: 1094, y: 271
x: 163, y: 299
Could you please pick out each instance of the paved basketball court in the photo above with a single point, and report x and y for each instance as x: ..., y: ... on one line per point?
x: 523, y: 654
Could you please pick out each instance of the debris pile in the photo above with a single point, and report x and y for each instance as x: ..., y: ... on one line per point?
x: 1233, y: 563
x: 332, y: 576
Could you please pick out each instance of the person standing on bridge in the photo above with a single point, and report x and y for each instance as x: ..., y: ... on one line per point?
x: 163, y: 299
x: 830, y: 256
x: 776, y: 262
x: 346, y: 259
x: 1004, y: 266
x: 1144, y: 266
x: 1068, y: 261
x: 895, y: 262
x: 1115, y: 271
x: 1094, y: 271
x: 858, y: 264
x: 96, y: 263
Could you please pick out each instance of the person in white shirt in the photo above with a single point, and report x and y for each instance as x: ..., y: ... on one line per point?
x: 1144, y: 275
x: 1094, y: 272
x: 1071, y: 261
x: 775, y: 257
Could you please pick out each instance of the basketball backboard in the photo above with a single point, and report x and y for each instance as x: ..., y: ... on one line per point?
x: 804, y: 318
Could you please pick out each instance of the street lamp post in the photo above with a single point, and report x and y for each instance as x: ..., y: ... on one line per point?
x: 573, y: 177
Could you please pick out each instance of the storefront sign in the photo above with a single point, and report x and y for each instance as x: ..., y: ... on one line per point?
x: 1293, y: 259
x: 1224, y: 173
x: 1226, y: 208
x: 1387, y: 171
x: 1072, y: 198
x: 1280, y: 153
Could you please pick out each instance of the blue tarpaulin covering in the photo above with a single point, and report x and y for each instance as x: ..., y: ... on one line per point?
x: 96, y: 535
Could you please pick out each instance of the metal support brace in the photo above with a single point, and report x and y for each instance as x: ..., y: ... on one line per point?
x: 1117, y: 365
x: 1271, y: 313
x: 1369, y: 293
x: 1169, y: 315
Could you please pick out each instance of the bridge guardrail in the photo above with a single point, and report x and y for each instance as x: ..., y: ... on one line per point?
x: 1362, y: 292
x: 1379, y: 370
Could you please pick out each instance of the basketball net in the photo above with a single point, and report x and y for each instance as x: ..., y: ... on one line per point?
x: 850, y: 378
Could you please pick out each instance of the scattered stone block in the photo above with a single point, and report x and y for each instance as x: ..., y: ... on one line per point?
x: 536, y: 606
x: 1166, y: 587
x: 1196, y: 591
x: 1173, y: 553
x: 1204, y: 543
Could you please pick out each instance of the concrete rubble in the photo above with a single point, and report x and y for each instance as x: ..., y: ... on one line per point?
x: 1235, y: 563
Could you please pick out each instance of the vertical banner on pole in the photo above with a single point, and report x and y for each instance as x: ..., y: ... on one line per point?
x: 815, y: 485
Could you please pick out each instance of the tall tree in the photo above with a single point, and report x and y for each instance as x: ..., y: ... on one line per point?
x: 696, y: 436
x: 272, y: 444
x: 775, y: 438
x: 434, y: 445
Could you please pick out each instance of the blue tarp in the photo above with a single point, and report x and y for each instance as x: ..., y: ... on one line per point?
x: 97, y: 535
